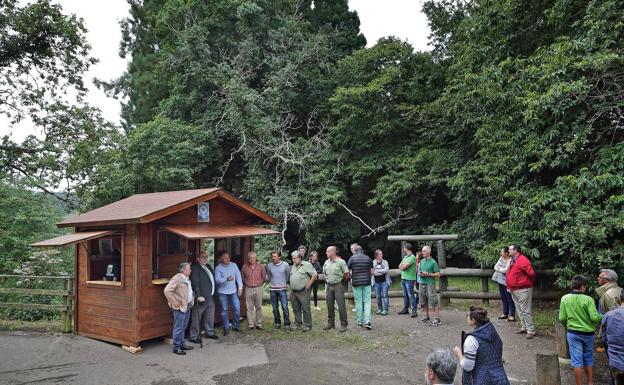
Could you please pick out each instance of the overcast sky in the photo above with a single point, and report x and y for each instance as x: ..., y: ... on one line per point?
x: 400, y: 18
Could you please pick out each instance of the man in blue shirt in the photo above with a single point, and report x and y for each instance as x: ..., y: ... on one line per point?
x: 229, y: 288
x: 611, y: 333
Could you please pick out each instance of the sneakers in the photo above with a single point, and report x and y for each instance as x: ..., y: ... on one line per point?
x: 511, y: 319
x: 435, y: 322
x: 360, y: 324
x: 368, y: 326
x: 404, y: 311
x: 384, y: 312
x: 277, y: 326
x: 342, y: 329
x: 379, y: 311
x: 287, y: 328
x: 318, y: 308
x: 328, y: 327
x: 306, y: 329
x: 504, y: 316
x: 425, y: 319
x: 530, y: 336
x: 414, y: 315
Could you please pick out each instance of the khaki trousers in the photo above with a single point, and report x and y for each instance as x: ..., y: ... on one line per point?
x: 253, y: 300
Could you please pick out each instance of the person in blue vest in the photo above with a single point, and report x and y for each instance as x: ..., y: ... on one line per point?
x: 481, y: 358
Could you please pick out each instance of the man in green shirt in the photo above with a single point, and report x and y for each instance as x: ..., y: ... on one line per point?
x: 578, y: 313
x: 428, y: 271
x: 335, y: 270
x: 408, y: 280
x: 302, y: 276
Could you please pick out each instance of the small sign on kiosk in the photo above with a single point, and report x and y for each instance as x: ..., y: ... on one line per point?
x: 203, y: 212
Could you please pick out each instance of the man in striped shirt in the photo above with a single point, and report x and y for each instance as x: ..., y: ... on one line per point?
x: 278, y: 273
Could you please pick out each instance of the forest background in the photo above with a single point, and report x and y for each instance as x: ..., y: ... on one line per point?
x: 510, y: 130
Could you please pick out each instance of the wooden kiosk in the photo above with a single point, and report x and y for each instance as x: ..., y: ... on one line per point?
x: 127, y: 251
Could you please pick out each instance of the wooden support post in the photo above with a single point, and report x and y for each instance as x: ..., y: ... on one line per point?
x: 485, y: 288
x: 132, y: 349
x: 547, y: 369
x: 65, y: 314
x: 561, y: 340
x: 70, y: 305
x: 442, y: 265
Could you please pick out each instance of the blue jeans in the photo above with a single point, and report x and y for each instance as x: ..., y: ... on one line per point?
x: 581, y: 350
x: 229, y: 299
x: 381, y: 292
x: 509, y: 308
x: 362, y: 297
x: 280, y: 297
x: 180, y: 320
x: 407, y: 286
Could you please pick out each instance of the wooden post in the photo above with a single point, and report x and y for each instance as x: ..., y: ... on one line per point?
x: 561, y: 341
x: 65, y: 313
x: 70, y: 304
x: 485, y: 288
x: 547, y: 369
x: 442, y: 265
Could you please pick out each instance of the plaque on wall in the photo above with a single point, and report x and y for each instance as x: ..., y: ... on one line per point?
x: 203, y: 212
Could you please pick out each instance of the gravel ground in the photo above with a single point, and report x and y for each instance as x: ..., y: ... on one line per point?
x: 394, y: 350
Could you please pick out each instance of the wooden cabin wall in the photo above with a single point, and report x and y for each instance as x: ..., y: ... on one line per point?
x: 221, y: 213
x: 154, y: 316
x: 106, y: 312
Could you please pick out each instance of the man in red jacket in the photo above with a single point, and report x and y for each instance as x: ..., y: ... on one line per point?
x: 520, y: 277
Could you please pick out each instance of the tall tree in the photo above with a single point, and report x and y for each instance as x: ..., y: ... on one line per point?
x: 43, y: 57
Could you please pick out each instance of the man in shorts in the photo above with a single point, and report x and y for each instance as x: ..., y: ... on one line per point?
x: 428, y: 271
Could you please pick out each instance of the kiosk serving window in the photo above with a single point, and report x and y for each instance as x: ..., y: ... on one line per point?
x: 105, y: 264
x: 170, y: 250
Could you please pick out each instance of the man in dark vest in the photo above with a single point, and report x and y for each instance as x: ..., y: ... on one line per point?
x: 361, y: 267
x: 203, y: 283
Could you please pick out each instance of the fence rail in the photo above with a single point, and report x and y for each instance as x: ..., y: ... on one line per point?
x: 447, y: 293
x: 67, y: 294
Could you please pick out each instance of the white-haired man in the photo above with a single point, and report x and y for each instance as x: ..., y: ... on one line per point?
x: 609, y: 291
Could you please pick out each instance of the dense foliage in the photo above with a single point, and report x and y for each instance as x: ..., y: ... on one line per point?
x: 509, y: 130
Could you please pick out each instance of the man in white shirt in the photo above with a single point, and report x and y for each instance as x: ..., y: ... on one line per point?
x: 203, y: 284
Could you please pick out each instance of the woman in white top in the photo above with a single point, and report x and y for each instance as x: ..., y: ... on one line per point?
x: 481, y: 356
x: 500, y: 276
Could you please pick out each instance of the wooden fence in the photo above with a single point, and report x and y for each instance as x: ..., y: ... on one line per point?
x: 67, y: 293
x: 455, y: 293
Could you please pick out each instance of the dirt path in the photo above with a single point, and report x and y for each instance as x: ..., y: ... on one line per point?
x: 392, y: 353
x: 395, y: 351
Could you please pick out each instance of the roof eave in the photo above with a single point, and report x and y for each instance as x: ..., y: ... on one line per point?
x: 68, y: 223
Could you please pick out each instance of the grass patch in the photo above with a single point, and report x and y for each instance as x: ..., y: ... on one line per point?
x: 44, y: 326
x: 471, y: 284
x: 543, y: 312
x: 324, y: 338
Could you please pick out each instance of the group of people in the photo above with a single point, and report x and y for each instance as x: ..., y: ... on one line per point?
x: 578, y: 312
x: 191, y: 293
x: 581, y: 314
